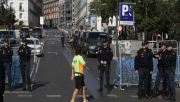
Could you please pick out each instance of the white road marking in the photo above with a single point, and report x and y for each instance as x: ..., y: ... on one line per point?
x: 67, y: 48
x: 79, y: 96
x: 133, y: 96
x: 112, y: 96
x: 159, y: 97
x: 53, y: 52
x: 97, y: 78
x: 87, y: 68
x: 34, y: 64
x: 37, y: 67
x: 53, y: 96
x: 16, y: 92
x: 51, y: 43
x: 24, y: 95
x: 47, y: 35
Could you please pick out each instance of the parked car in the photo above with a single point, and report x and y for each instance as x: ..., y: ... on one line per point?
x: 93, y: 42
x: 37, y: 32
x: 24, y: 32
x: 35, y: 45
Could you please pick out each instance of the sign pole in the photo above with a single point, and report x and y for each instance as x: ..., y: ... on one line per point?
x: 117, y: 31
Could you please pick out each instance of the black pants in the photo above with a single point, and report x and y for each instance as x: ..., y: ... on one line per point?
x: 143, y: 77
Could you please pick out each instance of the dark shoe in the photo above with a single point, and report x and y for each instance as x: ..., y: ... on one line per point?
x: 24, y: 87
x: 140, y: 95
x: 108, y: 88
x: 1, y: 99
x: 163, y: 94
x: 10, y: 88
x: 29, y: 88
x: 168, y: 97
x: 147, y: 95
x: 173, y: 98
x: 100, y: 89
x: 155, y: 93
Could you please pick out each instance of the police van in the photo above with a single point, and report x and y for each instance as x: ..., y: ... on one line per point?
x: 93, y: 42
x: 7, y: 34
x: 37, y: 32
x: 24, y: 32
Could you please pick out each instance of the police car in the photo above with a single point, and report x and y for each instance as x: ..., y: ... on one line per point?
x: 35, y: 45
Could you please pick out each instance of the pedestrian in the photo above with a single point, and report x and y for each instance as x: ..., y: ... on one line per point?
x: 160, y: 56
x: 7, y: 53
x: 144, y: 67
x: 62, y: 39
x: 77, y: 74
x: 104, y: 57
x: 170, y: 72
x: 2, y: 78
x: 109, y: 40
x: 25, y: 54
x: 74, y: 41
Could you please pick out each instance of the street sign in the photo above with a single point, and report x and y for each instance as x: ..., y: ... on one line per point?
x: 119, y: 28
x: 93, y: 21
x: 74, y: 25
x: 41, y: 20
x: 126, y: 14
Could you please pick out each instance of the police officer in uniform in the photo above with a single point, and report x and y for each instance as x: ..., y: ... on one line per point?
x: 170, y: 72
x: 160, y: 56
x: 25, y: 53
x: 2, y: 78
x: 104, y: 57
x: 143, y: 67
x: 7, y: 53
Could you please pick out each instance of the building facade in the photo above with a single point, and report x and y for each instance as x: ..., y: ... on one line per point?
x: 27, y: 12
x: 65, y: 13
x: 51, y: 12
x: 81, y: 11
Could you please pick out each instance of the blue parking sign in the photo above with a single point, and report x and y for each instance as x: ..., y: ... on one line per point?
x: 126, y: 14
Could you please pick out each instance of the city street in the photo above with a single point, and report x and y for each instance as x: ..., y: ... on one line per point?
x: 53, y: 78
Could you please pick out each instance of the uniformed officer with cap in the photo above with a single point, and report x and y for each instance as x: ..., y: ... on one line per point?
x: 160, y: 56
x: 2, y: 78
x: 170, y: 72
x: 104, y: 57
x: 25, y: 53
x: 7, y: 53
x: 143, y: 67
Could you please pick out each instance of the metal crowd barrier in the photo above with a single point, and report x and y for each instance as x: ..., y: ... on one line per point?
x: 125, y: 72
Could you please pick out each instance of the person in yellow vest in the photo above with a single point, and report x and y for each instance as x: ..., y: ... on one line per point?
x: 77, y: 74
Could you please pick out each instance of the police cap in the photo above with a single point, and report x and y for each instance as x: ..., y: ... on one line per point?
x: 170, y: 44
x: 104, y: 40
x: 24, y: 40
x: 6, y: 40
x: 144, y: 42
x: 164, y: 44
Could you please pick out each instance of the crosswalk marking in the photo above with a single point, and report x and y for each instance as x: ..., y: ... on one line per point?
x: 16, y: 92
x: 53, y: 95
x: 24, y: 95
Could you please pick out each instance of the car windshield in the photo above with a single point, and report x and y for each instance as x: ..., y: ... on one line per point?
x: 37, y: 29
x: 25, y: 29
x: 97, y: 35
x: 4, y: 33
x: 31, y: 42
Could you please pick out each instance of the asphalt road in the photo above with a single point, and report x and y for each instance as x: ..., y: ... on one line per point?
x: 53, y: 72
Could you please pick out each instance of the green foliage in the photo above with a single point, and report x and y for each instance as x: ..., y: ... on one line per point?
x: 16, y: 26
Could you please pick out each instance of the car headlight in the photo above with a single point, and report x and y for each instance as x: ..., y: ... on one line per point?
x: 92, y: 47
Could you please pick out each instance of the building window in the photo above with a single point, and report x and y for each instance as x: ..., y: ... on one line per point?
x: 20, y: 15
x: 12, y: 5
x: 21, y: 7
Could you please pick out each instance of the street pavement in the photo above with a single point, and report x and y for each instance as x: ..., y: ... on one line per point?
x: 53, y: 72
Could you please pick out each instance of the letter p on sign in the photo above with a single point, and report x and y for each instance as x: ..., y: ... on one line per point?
x: 125, y: 8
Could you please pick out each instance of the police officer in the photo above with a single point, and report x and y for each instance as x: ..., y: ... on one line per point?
x: 143, y: 67
x: 170, y: 72
x: 160, y: 56
x: 7, y: 53
x: 25, y: 53
x: 109, y: 40
x: 2, y: 78
x: 104, y: 57
x: 62, y: 39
